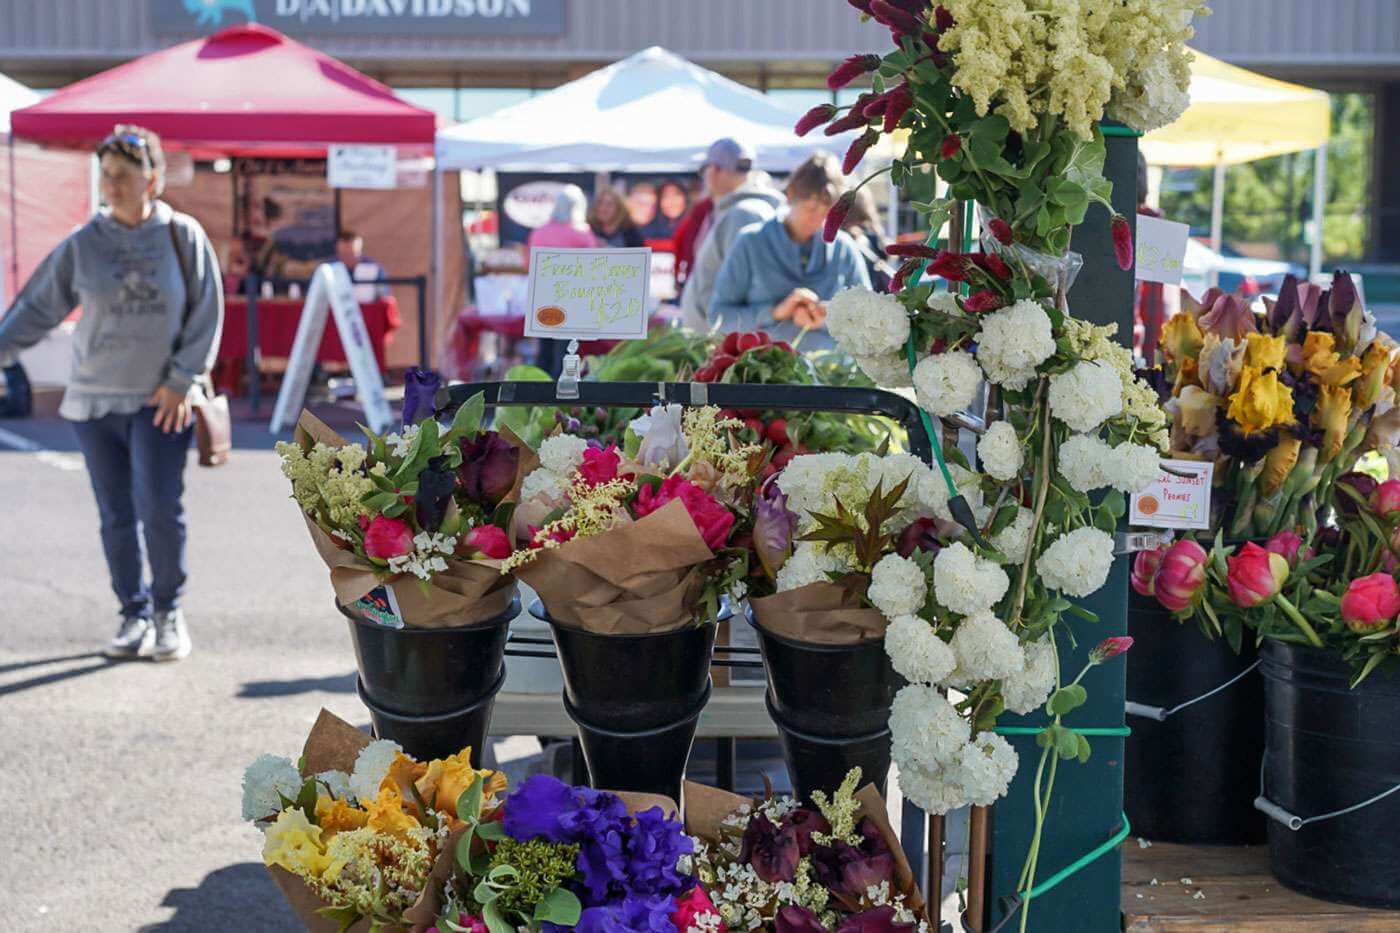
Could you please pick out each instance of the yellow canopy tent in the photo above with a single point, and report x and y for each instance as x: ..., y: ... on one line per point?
x: 1238, y: 116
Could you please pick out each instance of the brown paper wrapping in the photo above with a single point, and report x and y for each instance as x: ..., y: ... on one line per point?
x: 333, y: 745
x: 641, y: 578
x: 706, y: 807
x: 465, y: 593
x: 818, y: 613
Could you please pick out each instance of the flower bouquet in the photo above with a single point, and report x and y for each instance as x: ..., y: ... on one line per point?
x: 413, y: 529
x: 359, y: 831
x: 632, y: 556
x: 775, y: 864
x: 555, y: 857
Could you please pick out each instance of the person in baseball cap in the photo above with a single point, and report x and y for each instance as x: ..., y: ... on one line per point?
x: 741, y: 198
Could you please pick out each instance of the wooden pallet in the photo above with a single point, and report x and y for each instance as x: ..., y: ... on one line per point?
x: 1161, y: 883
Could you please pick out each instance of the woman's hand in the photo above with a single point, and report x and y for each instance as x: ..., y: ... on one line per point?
x: 803, y: 306
x: 173, y: 412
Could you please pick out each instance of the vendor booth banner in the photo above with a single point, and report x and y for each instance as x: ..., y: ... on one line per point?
x: 364, y: 17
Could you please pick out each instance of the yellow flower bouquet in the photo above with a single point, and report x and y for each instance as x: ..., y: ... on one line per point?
x: 1282, y: 402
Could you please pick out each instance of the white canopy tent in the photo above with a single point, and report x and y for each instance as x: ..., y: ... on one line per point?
x: 653, y: 111
x: 13, y: 96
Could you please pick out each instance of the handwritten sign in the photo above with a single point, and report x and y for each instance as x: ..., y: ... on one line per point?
x: 1175, y: 501
x: 361, y: 166
x: 588, y: 294
x: 1161, y: 250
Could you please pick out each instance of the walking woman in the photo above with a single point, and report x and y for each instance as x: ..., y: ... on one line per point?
x: 148, y: 282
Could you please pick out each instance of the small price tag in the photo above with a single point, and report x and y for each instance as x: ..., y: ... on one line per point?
x: 1176, y: 499
x: 1161, y: 250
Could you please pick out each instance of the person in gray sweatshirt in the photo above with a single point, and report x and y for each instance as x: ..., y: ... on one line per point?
x: 148, y: 282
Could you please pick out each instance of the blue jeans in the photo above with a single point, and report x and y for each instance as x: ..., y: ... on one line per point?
x: 137, y: 473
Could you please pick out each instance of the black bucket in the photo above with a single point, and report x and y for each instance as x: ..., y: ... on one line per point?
x: 1328, y: 748
x: 438, y: 735
x: 430, y: 671
x: 636, y: 700
x: 831, y: 704
x: 1192, y: 777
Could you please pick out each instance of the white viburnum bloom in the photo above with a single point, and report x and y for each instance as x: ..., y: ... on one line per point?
x: 1026, y: 691
x: 562, y: 453
x: 934, y: 790
x: 1153, y: 97
x: 371, y: 766
x: 999, y: 451
x: 1086, y: 395
x: 263, y: 780
x: 965, y: 583
x: 897, y: 586
x: 945, y: 383
x: 1077, y: 563
x: 1013, y: 342
x: 985, y: 768
x: 336, y: 782
x: 986, y: 649
x: 810, y: 563
x: 1133, y: 467
x: 916, y: 652
x: 887, y: 370
x: 867, y: 323
x: 663, y: 441
x: 1013, y: 540
x: 925, y: 727
x: 1083, y: 461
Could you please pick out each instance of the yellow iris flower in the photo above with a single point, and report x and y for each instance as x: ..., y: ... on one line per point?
x: 446, y: 778
x: 1331, y: 414
x: 1264, y: 352
x: 387, y: 814
x: 1321, y: 358
x: 295, y: 844
x: 1375, y: 366
x: 1261, y: 401
x: 334, y: 816
x: 1278, y: 464
x: 1181, y: 338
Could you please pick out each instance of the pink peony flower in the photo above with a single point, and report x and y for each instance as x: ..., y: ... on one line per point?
x: 600, y: 465
x: 712, y: 519
x: 388, y: 537
x: 1386, y: 499
x: 1181, y: 575
x: 488, y: 541
x: 1145, y: 565
x: 692, y: 908
x: 1255, y: 576
x: 1370, y: 603
x: 1290, y: 545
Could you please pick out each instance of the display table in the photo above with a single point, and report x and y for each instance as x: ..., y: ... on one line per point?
x: 1238, y: 892
x: 277, y: 329
x: 471, y: 324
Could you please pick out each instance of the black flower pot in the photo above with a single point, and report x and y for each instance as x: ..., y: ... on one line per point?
x: 1192, y: 777
x: 1328, y: 748
x: 831, y: 704
x: 636, y: 700
x: 437, y: 735
x: 430, y: 671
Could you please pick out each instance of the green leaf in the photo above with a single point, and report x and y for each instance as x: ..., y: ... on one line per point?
x: 1044, y: 738
x: 1067, y: 744
x: 1371, y: 663
x: 1085, y: 614
x: 1115, y: 502
x: 467, y: 421
x: 1067, y: 699
x: 379, y: 501
x: 1084, y: 749
x: 559, y: 906
x: 493, y: 831
x: 469, y: 802
x: 496, y: 920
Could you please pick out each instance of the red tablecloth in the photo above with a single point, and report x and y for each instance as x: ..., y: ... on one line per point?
x: 277, y: 329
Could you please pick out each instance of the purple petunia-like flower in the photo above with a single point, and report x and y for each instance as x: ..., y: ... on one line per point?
x: 535, y: 809
x: 419, y: 393
x: 655, y: 847
x: 634, y: 913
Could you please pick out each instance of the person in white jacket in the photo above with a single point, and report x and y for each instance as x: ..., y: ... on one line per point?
x: 742, y: 198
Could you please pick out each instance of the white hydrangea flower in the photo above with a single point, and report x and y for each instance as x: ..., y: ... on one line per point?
x: 1013, y: 540
x: 337, y: 782
x: 263, y: 780
x: 1083, y: 460
x: 986, y: 649
x: 809, y: 563
x: 1013, y: 342
x: 945, y: 383
x: 1026, y: 691
x: 887, y: 370
x: 562, y: 453
x: 999, y: 451
x: 1133, y: 467
x: 966, y: 583
x: 897, y: 586
x: 985, y: 768
x: 916, y: 652
x: 925, y: 727
x: 934, y: 790
x: 371, y: 766
x: 1077, y: 563
x: 1086, y: 395
x: 867, y: 323
x: 1154, y: 96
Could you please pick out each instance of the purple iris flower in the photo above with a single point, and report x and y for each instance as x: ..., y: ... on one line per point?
x: 419, y: 391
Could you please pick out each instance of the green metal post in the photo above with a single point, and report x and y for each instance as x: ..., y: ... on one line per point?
x: 1087, y: 803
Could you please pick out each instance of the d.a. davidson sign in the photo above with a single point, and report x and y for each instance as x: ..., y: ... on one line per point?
x: 364, y: 17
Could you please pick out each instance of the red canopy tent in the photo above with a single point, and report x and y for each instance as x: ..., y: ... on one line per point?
x: 248, y: 90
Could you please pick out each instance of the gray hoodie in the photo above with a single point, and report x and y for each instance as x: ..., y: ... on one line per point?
x: 137, y: 332
x: 753, y: 203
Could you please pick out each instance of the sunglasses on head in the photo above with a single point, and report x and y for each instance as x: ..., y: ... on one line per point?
x: 125, y: 143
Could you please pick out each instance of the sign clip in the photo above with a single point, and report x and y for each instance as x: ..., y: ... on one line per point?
x: 567, y: 387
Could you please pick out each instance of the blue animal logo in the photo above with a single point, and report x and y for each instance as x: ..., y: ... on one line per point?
x: 211, y: 12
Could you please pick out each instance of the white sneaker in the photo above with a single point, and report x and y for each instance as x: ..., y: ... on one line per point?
x: 172, y: 641
x: 134, y: 639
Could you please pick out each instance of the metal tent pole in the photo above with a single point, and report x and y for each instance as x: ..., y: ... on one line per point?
x: 1217, y: 216
x: 1319, y: 199
x: 435, y: 270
